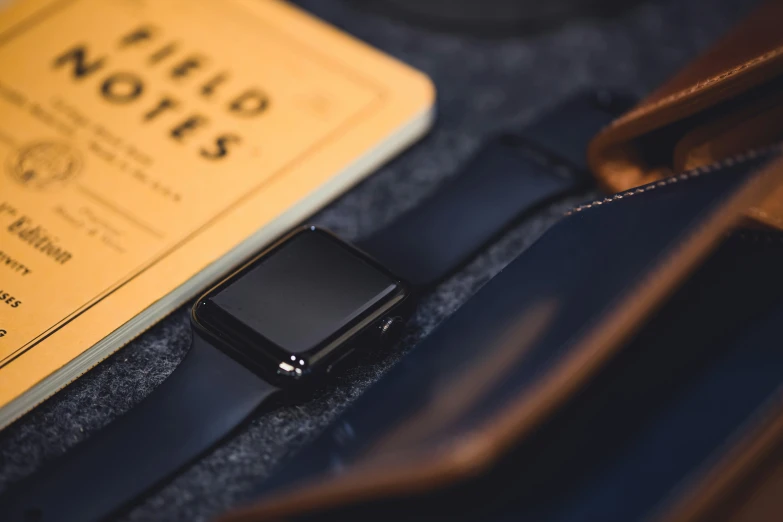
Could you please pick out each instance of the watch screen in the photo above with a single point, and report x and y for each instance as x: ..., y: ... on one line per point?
x: 304, y: 291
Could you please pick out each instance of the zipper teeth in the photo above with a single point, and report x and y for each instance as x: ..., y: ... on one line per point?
x: 718, y: 165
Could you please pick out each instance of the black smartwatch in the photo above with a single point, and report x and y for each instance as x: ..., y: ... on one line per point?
x: 294, y: 314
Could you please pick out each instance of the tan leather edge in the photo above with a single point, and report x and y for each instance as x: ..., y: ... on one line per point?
x: 477, y: 451
x: 750, y: 55
x: 611, y: 154
x: 700, y: 501
x: 754, y: 124
x: 757, y: 33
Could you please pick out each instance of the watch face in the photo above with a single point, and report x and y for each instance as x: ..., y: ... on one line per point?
x: 298, y: 306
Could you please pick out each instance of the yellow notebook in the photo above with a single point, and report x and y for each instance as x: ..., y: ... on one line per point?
x: 147, y: 146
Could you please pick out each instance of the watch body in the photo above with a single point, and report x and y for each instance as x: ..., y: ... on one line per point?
x: 302, y: 306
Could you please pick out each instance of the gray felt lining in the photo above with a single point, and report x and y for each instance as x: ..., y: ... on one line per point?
x: 484, y: 86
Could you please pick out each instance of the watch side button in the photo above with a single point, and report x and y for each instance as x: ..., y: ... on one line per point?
x: 390, y: 327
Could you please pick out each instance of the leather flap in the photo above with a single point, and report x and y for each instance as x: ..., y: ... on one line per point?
x: 722, y: 103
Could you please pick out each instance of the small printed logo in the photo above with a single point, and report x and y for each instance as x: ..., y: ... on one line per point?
x: 45, y: 165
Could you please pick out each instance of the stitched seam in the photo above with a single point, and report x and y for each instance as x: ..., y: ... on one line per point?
x: 698, y: 86
x: 718, y: 165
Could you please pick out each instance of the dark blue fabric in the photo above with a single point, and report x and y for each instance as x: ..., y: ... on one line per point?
x: 705, y: 368
x: 701, y: 371
x: 584, y: 266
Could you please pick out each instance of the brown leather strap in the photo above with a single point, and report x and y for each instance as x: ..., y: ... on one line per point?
x: 640, y: 146
x: 757, y: 35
